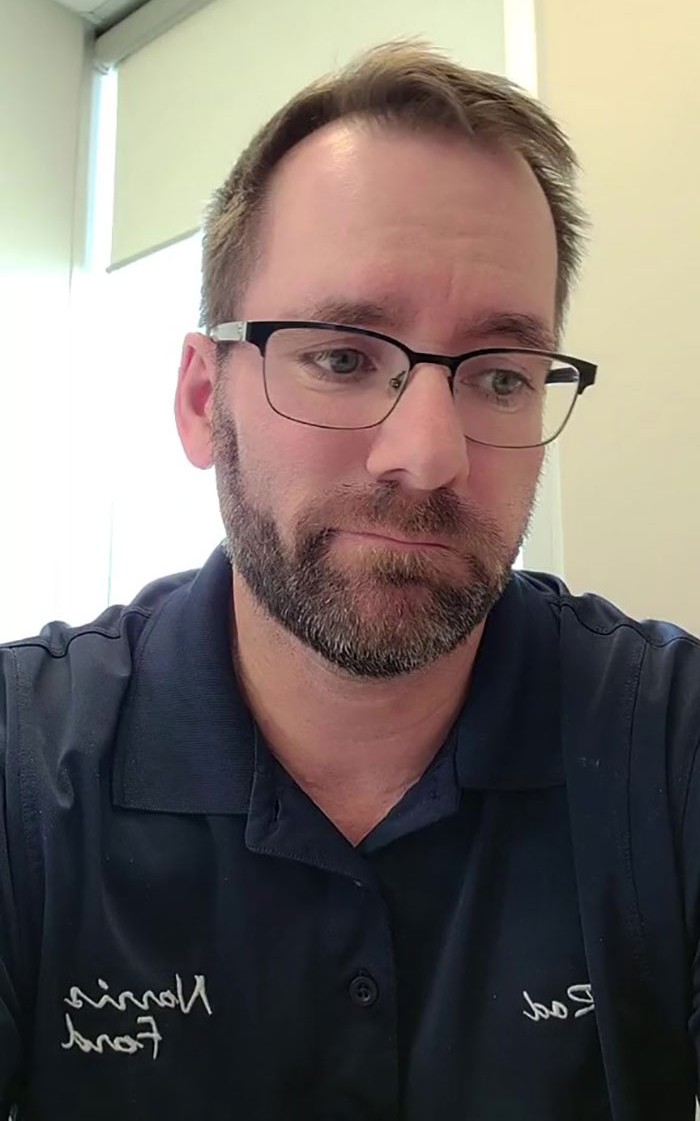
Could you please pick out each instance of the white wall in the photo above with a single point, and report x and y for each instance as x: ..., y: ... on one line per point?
x: 42, y: 86
x: 623, y: 78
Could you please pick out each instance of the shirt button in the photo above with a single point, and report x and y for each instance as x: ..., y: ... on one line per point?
x: 363, y: 991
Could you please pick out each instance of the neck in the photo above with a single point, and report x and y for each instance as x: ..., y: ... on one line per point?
x: 346, y: 741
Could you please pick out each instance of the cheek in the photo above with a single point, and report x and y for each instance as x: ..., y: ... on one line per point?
x: 271, y: 440
x: 287, y: 467
x: 503, y: 482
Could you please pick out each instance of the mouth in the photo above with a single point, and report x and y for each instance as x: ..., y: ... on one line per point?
x: 394, y: 541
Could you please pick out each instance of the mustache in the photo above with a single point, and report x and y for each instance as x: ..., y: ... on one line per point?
x: 386, y: 508
x: 383, y: 507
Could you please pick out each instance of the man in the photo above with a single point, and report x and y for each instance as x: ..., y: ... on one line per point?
x: 355, y: 822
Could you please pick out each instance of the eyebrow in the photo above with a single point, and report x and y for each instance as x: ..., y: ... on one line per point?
x: 520, y: 328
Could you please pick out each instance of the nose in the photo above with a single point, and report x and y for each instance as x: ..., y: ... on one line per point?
x: 421, y: 444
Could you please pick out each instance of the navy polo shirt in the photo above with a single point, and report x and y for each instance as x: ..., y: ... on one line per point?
x: 184, y: 934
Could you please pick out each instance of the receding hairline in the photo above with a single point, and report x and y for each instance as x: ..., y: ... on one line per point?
x: 372, y: 125
x: 403, y: 84
x: 448, y: 132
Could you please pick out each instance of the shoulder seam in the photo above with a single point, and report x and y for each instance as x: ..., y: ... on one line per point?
x: 88, y: 629
x: 628, y: 624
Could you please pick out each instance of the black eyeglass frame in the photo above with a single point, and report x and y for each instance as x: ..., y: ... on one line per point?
x: 259, y: 331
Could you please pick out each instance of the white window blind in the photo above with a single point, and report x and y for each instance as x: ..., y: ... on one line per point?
x: 190, y: 100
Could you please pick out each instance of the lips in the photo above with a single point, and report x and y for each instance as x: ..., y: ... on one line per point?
x: 409, y: 542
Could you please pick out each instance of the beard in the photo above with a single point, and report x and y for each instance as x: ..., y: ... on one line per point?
x: 392, y: 612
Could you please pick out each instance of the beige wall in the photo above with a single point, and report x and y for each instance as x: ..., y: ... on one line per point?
x: 42, y: 87
x: 623, y: 78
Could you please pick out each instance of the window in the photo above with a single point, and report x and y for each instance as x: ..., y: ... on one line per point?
x: 164, y: 512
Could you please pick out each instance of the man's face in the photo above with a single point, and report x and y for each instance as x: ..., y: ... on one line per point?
x: 438, y: 234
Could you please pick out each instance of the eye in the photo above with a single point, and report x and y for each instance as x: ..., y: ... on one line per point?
x: 342, y: 361
x: 499, y: 383
x: 496, y: 382
x: 504, y: 383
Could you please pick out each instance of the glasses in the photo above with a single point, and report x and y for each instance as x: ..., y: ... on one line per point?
x: 330, y: 376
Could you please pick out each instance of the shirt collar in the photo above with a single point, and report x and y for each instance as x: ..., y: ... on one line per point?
x: 186, y: 740
x: 509, y: 730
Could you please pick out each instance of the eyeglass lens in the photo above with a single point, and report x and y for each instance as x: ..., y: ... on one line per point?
x: 347, y: 380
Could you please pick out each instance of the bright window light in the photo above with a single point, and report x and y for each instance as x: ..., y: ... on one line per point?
x: 165, y: 515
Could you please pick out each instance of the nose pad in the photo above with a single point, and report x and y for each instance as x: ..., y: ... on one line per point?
x: 398, y: 383
x: 402, y: 382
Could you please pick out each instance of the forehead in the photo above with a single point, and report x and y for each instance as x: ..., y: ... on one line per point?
x: 434, y: 225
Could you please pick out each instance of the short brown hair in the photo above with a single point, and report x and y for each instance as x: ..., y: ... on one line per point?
x: 400, y: 83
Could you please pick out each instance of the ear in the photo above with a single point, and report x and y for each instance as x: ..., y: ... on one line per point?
x: 194, y: 398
